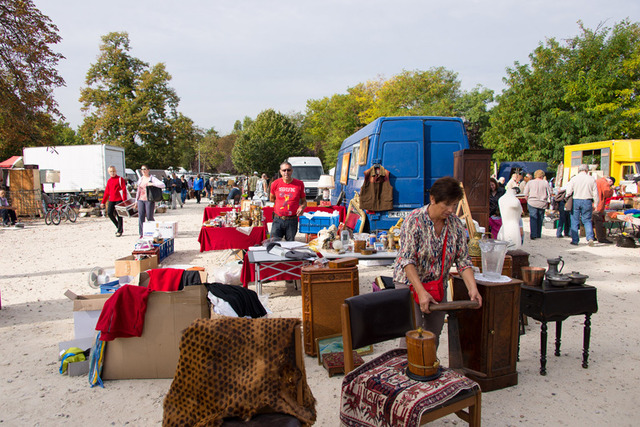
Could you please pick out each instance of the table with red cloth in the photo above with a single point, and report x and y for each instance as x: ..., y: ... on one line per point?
x: 211, y: 212
x: 221, y: 238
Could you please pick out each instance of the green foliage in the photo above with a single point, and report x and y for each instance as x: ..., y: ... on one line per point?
x: 63, y: 134
x: 132, y: 105
x: 266, y: 142
x: 582, y: 90
x: 28, y: 77
x: 435, y: 92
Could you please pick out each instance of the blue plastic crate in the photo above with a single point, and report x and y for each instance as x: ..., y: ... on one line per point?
x: 166, y: 249
x: 109, y: 288
x: 315, y: 224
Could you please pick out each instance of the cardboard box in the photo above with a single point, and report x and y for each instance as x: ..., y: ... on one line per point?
x: 167, y: 229
x: 86, y: 311
x: 129, y: 266
x: 76, y: 369
x: 155, y: 353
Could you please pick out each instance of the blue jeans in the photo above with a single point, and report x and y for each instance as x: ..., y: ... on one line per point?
x: 286, y: 228
x: 536, y: 218
x: 582, y: 210
x: 564, y: 221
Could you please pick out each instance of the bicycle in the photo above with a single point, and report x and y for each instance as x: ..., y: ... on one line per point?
x: 59, y: 210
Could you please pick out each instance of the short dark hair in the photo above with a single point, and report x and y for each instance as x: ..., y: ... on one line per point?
x: 286, y: 163
x: 446, y: 189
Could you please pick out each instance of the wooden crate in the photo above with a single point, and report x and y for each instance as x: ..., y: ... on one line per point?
x: 507, y: 267
x: 323, y: 292
x: 25, y: 192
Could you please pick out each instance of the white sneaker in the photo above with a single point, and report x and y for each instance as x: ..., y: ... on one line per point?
x: 590, y: 242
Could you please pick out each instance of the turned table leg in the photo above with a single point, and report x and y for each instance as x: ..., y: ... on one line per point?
x: 585, y: 342
x: 543, y: 349
x: 558, y: 337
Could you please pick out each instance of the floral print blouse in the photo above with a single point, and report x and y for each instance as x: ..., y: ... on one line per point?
x: 421, y: 246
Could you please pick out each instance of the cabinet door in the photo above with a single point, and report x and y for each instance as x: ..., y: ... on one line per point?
x: 502, y: 322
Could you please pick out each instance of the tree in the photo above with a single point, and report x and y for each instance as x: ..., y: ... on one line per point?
x: 266, y: 143
x: 473, y: 106
x: 28, y: 77
x: 582, y: 90
x: 131, y: 105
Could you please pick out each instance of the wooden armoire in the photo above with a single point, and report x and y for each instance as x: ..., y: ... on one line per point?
x: 472, y: 167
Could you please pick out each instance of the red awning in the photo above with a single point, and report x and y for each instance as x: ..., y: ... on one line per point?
x: 10, y: 162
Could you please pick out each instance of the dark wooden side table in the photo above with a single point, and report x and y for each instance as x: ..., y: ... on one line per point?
x: 554, y: 304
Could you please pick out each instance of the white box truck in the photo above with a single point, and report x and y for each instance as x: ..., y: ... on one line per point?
x: 83, y: 168
x: 307, y: 170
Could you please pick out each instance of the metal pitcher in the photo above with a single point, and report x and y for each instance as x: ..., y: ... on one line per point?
x: 553, y: 266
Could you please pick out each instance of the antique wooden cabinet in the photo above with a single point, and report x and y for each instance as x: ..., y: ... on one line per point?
x: 323, y: 292
x: 489, y: 335
x: 472, y: 168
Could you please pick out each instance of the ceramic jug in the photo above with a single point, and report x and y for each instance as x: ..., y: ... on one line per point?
x: 553, y: 266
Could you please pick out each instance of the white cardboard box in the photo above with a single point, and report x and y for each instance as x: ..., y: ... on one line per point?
x: 168, y: 229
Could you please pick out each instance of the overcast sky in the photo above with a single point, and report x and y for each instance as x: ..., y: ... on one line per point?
x: 235, y: 58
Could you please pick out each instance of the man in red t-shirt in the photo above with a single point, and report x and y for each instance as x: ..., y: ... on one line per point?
x: 115, y: 193
x: 290, y: 201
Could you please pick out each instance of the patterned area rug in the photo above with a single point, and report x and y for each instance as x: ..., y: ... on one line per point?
x: 379, y: 393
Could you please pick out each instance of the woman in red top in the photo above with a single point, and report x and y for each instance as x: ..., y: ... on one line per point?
x: 116, y: 192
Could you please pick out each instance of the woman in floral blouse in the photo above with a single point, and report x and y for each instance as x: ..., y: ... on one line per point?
x: 420, y: 257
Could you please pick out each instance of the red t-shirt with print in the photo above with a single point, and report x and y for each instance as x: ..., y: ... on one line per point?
x: 287, y: 196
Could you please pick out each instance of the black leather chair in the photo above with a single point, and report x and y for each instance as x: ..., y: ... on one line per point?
x: 380, y: 316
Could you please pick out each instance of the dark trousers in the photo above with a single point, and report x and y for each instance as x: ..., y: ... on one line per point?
x: 432, y: 322
x: 145, y: 212
x: 286, y: 228
x: 198, y: 195
x: 8, y: 216
x: 564, y: 221
x: 598, y: 226
x: 536, y: 218
x: 113, y: 215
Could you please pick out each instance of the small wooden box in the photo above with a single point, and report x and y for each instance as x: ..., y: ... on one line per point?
x: 334, y: 362
x: 323, y: 292
x: 343, y: 262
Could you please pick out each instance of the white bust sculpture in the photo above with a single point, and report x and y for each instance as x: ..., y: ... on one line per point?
x: 511, y: 212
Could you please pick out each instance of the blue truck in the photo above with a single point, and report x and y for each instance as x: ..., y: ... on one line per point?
x: 415, y: 150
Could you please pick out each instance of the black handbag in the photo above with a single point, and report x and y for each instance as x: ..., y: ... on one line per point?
x: 154, y: 194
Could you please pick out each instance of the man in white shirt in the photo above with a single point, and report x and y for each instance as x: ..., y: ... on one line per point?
x: 585, y: 194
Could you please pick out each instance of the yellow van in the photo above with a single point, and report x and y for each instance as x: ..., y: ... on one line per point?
x: 617, y: 158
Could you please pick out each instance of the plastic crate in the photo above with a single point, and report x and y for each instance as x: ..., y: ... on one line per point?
x: 315, y: 224
x: 109, y: 288
x: 163, y: 250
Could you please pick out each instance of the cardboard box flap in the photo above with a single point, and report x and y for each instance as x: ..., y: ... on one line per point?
x: 87, y: 302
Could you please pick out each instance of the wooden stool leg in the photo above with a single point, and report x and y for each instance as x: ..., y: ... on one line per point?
x: 475, y: 412
x: 558, y: 337
x: 543, y: 349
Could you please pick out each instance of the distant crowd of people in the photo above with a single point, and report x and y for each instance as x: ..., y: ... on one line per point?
x: 579, y: 201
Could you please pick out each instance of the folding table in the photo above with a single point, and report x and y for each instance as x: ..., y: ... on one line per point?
x: 268, y: 266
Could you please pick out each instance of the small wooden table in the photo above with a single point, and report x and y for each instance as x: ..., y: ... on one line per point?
x: 555, y: 304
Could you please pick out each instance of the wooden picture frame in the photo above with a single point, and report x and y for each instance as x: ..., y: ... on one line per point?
x: 344, y: 171
x: 364, y: 148
x: 333, y: 344
x: 245, y: 205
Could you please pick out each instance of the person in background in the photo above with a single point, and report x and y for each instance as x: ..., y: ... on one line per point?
x: 115, y: 192
x: 288, y: 195
x: 538, y: 194
x: 184, y: 190
x: 585, y: 194
x: 176, y: 189
x: 234, y: 195
x: 191, y: 194
x: 261, y: 188
x: 605, y: 191
x: 524, y: 181
x: 253, y: 181
x: 7, y: 211
x: 501, y: 181
x: 559, y: 203
x: 146, y: 208
x: 208, y: 187
x: 514, y: 183
x: 495, y: 192
x: 198, y: 186
x: 430, y: 236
